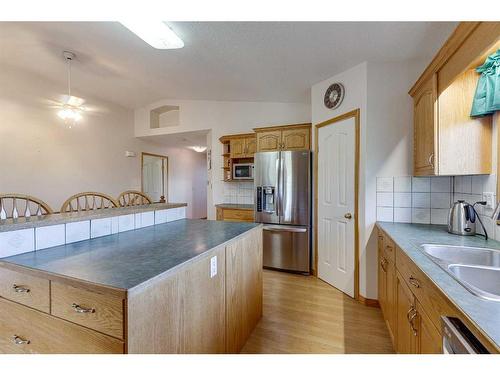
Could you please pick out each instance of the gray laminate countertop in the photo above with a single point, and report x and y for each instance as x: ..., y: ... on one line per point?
x: 127, y: 259
x: 409, y: 237
x: 236, y: 206
x: 7, y: 225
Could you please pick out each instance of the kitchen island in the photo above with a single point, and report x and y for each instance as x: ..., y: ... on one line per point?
x: 189, y: 286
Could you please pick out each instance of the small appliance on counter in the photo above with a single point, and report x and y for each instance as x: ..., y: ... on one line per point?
x: 462, y: 219
x: 282, y: 203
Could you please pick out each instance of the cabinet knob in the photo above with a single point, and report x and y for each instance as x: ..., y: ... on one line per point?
x: 20, y: 289
x: 19, y: 340
x: 82, y: 310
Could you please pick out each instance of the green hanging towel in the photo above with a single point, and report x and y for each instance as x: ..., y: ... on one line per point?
x: 487, y: 97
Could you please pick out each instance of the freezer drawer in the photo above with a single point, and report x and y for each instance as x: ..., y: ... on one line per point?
x: 287, y: 248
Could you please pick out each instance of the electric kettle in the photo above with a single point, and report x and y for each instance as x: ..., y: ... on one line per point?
x: 462, y: 219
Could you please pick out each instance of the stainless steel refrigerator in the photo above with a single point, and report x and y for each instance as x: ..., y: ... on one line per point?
x: 282, y: 202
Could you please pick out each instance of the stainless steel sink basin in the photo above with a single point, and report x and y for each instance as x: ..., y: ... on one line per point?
x: 482, y: 281
x: 476, y: 268
x: 464, y: 255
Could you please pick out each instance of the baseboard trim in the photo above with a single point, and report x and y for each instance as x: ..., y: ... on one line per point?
x: 368, y: 302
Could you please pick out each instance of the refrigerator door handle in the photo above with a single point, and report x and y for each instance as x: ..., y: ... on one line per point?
x: 281, y: 177
x: 285, y: 229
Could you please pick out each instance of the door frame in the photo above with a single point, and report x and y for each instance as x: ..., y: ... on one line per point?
x: 352, y: 114
x: 164, y: 177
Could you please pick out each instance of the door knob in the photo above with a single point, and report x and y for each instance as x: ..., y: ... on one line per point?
x: 348, y: 216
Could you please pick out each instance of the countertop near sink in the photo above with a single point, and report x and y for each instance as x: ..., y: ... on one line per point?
x: 127, y: 259
x: 234, y: 206
x: 409, y: 237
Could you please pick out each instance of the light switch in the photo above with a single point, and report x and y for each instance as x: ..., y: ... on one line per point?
x: 213, y: 266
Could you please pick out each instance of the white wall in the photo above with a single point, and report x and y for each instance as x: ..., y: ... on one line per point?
x: 39, y: 156
x: 222, y: 118
x: 380, y: 92
x: 187, y: 180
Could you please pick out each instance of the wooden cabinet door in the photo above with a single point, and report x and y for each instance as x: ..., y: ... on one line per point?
x: 382, y: 281
x: 295, y: 139
x: 237, y: 146
x: 424, y: 122
x: 250, y: 146
x: 405, y: 307
x: 429, y: 337
x: 390, y: 298
x: 269, y: 140
x: 219, y: 213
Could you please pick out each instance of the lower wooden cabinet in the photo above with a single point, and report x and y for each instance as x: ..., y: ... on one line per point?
x: 412, y: 304
x: 406, y: 313
x: 24, y: 330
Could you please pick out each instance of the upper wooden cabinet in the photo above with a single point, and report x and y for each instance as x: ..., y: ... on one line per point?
x: 287, y: 137
x: 425, y: 128
x: 242, y: 147
x: 447, y: 141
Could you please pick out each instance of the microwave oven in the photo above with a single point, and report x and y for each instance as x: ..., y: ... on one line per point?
x: 243, y: 171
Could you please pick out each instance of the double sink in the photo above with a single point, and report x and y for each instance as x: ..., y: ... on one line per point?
x: 476, y: 268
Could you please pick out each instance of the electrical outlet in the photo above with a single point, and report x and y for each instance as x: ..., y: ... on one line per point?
x: 489, y: 198
x: 213, y: 266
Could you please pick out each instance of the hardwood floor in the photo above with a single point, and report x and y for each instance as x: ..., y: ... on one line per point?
x: 303, y: 314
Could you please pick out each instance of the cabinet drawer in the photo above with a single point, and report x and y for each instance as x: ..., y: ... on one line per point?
x: 429, y: 296
x: 25, y: 289
x: 47, y: 334
x: 238, y: 215
x: 101, y: 312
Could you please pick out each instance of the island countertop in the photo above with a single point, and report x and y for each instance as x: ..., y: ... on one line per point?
x: 127, y: 259
x: 409, y: 238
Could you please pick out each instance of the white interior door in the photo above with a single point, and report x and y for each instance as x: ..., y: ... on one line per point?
x: 152, y: 178
x: 336, y: 195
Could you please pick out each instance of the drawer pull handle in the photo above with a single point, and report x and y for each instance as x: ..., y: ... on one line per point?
x: 20, y: 289
x: 20, y: 341
x: 414, y: 282
x: 82, y: 310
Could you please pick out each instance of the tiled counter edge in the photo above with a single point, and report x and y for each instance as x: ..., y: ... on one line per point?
x: 30, y: 239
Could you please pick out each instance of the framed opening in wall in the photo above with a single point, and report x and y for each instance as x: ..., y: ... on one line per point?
x: 154, y: 176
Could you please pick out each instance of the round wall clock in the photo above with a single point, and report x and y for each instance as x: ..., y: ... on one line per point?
x: 334, y: 95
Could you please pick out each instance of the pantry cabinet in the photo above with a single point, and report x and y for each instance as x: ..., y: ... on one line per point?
x: 447, y: 141
x: 284, y: 138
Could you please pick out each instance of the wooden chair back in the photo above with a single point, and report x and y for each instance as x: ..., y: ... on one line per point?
x: 88, y: 201
x: 14, y: 205
x: 133, y: 198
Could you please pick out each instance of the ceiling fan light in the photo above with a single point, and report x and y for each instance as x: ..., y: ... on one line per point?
x: 199, y: 148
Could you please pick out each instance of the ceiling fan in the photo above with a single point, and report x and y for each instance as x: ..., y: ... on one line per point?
x: 70, y: 107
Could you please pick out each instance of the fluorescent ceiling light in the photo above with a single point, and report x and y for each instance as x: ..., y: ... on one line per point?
x: 155, y: 33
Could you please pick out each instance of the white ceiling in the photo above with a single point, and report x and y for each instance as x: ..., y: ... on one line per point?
x: 251, y: 61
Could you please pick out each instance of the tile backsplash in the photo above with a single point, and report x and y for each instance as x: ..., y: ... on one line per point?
x: 240, y: 192
x: 427, y: 200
